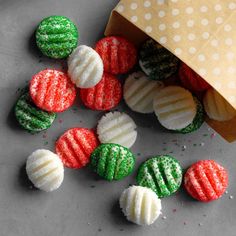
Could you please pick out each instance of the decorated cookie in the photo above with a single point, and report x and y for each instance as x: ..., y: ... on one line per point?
x: 75, y: 146
x: 197, y: 121
x: 191, y: 80
x: 174, y: 107
x: 30, y: 117
x: 85, y: 67
x: 112, y: 161
x: 45, y: 170
x: 163, y: 174
x: 104, y: 96
x: 216, y: 107
x: 206, y: 180
x: 51, y: 90
x: 118, y: 54
x: 56, y: 36
x: 139, y: 92
x: 117, y: 127
x: 140, y: 205
x: 156, y: 61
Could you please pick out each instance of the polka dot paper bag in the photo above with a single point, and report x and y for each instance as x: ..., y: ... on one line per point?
x: 201, y: 33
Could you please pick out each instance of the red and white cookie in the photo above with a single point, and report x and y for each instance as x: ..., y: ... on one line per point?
x: 75, y: 146
x: 117, y: 53
x: 104, y: 96
x: 52, y: 91
x: 206, y: 180
x: 191, y: 80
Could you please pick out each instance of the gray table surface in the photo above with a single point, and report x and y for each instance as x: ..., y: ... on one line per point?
x: 86, y: 205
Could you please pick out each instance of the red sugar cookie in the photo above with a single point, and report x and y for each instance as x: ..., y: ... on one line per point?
x: 51, y: 90
x: 191, y: 80
x: 75, y: 146
x: 206, y: 180
x: 104, y: 96
x: 118, y: 54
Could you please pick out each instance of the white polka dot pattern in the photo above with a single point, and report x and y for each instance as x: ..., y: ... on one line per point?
x: 140, y: 205
x: 45, y: 170
x: 214, y: 37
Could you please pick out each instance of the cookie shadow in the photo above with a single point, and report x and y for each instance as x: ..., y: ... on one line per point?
x: 24, y: 181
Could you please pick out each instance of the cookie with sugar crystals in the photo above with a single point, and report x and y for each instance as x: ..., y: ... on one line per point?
x: 30, y: 117
x: 156, y: 61
x: 191, y: 80
x: 56, y: 36
x: 45, y: 170
x: 104, y: 96
x: 197, y: 121
x: 216, y: 107
x: 206, y: 180
x: 117, y: 127
x: 162, y: 174
x: 117, y: 53
x: 175, y: 107
x: 112, y: 161
x: 139, y: 92
x: 85, y: 67
x: 140, y: 205
x: 51, y: 90
x: 75, y: 146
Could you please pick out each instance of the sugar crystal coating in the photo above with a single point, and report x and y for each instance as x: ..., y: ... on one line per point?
x: 140, y: 205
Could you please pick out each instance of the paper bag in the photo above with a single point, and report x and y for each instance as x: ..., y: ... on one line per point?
x: 201, y: 33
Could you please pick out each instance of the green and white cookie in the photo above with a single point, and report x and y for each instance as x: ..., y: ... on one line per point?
x: 30, y: 117
x: 112, y: 161
x: 197, y: 121
x: 162, y: 174
x: 156, y: 61
x: 56, y: 36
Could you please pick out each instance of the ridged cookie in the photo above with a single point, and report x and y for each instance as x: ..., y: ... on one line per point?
x: 139, y: 92
x: 104, y: 96
x: 163, y: 174
x: 140, y: 205
x: 197, y: 121
x: 75, y: 146
x: 117, y: 127
x: 51, y: 90
x: 112, y: 161
x: 206, y: 180
x: 174, y: 107
x: 30, y: 117
x: 117, y: 53
x: 45, y: 170
x: 85, y: 67
x: 216, y: 107
x: 156, y: 61
x: 56, y: 36
x: 191, y: 80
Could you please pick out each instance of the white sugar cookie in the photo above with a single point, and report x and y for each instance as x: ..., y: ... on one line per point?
x: 117, y: 127
x: 139, y: 92
x: 85, y: 67
x: 140, y: 205
x: 174, y: 107
x: 216, y: 107
x: 45, y: 170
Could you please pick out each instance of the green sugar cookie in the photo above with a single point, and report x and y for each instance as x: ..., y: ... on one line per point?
x: 112, y: 161
x: 163, y: 174
x: 156, y: 61
x: 56, y: 36
x: 197, y: 121
x: 30, y: 117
